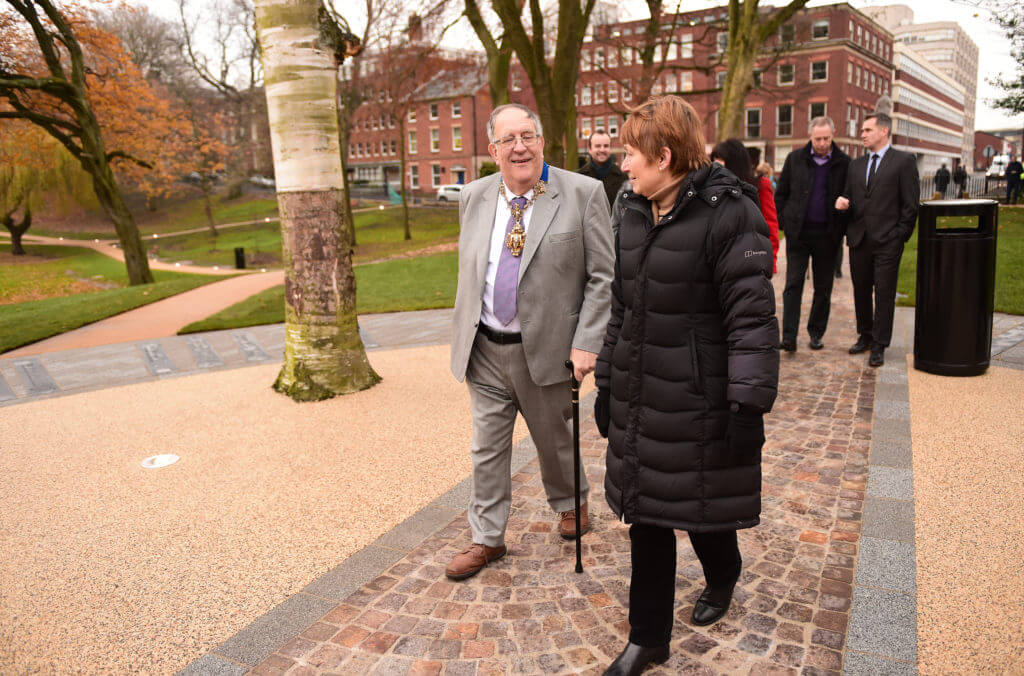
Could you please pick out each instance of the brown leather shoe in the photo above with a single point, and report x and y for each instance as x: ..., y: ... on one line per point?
x: 472, y: 560
x: 567, y: 522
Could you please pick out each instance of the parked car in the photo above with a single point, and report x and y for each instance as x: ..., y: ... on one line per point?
x: 262, y: 181
x: 449, y: 192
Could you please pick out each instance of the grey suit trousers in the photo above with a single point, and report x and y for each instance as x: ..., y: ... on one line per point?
x: 500, y: 386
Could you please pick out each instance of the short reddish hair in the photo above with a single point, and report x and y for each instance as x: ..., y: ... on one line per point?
x: 667, y: 122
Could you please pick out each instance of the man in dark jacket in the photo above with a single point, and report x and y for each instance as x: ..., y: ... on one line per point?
x: 959, y: 179
x: 882, y: 193
x: 1013, y: 180
x: 811, y: 180
x: 601, y: 165
x: 942, y: 180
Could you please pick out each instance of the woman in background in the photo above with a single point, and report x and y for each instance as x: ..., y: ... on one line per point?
x: 734, y: 155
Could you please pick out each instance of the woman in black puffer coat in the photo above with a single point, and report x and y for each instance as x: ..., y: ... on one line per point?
x: 688, y: 368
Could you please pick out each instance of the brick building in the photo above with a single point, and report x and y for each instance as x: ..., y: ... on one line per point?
x: 836, y: 62
x: 831, y: 60
x: 987, y: 145
x: 441, y: 122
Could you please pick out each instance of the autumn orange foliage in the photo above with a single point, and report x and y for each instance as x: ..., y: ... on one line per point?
x: 153, y: 140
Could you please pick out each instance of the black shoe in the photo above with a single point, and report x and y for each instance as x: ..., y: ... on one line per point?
x: 863, y: 344
x: 712, y: 605
x: 816, y: 343
x: 635, y: 658
x: 877, y: 357
x: 789, y: 344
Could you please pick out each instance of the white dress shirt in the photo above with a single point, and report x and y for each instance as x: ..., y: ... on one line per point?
x: 881, y: 153
x: 501, y: 216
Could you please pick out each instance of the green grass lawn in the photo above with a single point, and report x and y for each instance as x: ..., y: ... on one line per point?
x: 1009, y: 292
x: 177, y: 217
x: 392, y: 286
x: 39, y: 299
x: 378, y: 235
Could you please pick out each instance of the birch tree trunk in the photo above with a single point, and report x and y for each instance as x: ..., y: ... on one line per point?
x: 324, y: 355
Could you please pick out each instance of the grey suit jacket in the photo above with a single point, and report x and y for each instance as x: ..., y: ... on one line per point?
x: 564, y: 293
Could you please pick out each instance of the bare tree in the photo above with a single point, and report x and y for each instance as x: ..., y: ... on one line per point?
x: 750, y: 29
x: 232, y: 67
x: 498, y: 51
x: 553, y: 80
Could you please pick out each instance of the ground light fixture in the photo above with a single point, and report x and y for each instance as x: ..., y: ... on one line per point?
x: 158, y: 461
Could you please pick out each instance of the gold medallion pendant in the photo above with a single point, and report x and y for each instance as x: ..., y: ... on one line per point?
x: 516, y: 240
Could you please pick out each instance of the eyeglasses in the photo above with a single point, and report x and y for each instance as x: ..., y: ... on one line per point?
x: 529, y: 140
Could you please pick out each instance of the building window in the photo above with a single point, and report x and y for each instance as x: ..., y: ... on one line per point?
x: 819, y: 109
x: 612, y: 58
x: 383, y: 147
x: 856, y: 80
x: 686, y: 46
x: 627, y: 93
x: 598, y: 93
x: 670, y: 83
x: 435, y: 175
x: 723, y: 42
x: 819, y: 30
x: 720, y: 79
x: 787, y: 74
x: 849, y: 73
x: 819, y: 71
x: 613, y: 92
x: 613, y: 125
x: 585, y: 97
x: 686, y: 82
x: 784, y: 120
x: 456, y: 108
x: 753, y: 122
x: 672, y: 53
x: 391, y: 121
x: 394, y: 147
x: 787, y: 33
x: 359, y: 150
x: 587, y: 126
x: 598, y: 59
x: 758, y: 78
x: 414, y: 177
x: 412, y: 114
x: 433, y: 111
x: 373, y: 123
x: 516, y: 86
x: 586, y: 60
x: 435, y: 140
x: 413, y: 147
x: 456, y: 138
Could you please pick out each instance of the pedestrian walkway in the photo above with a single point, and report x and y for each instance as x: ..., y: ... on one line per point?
x: 256, y: 553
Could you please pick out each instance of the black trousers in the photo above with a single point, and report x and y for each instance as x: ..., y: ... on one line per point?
x: 652, y: 585
x: 874, y: 269
x: 820, y: 249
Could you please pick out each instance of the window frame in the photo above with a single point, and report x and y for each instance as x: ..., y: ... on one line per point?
x: 811, y: 71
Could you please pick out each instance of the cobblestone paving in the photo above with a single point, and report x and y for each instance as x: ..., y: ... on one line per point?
x: 530, y: 613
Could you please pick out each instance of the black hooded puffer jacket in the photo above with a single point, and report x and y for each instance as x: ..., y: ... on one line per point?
x: 692, y: 329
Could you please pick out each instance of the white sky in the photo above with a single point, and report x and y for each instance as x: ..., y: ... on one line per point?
x: 994, y: 48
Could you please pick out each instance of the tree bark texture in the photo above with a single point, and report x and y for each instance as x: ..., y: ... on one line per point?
x: 18, y: 229
x: 324, y: 355
x: 749, y: 29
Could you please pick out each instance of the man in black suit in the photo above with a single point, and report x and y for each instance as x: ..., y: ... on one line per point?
x: 882, y: 194
x: 811, y: 180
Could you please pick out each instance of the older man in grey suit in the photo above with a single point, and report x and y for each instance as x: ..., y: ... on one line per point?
x: 535, y: 268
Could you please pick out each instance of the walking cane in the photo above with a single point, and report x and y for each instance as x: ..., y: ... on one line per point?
x: 575, y: 386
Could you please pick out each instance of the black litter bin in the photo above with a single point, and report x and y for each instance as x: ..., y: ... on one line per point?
x: 956, y: 272
x: 239, y: 258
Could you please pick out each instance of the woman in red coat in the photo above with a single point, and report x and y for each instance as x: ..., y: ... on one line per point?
x: 733, y: 154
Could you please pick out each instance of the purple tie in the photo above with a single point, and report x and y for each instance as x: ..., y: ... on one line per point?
x: 507, y: 279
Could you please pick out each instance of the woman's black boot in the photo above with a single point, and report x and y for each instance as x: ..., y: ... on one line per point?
x: 635, y: 658
x: 712, y: 605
